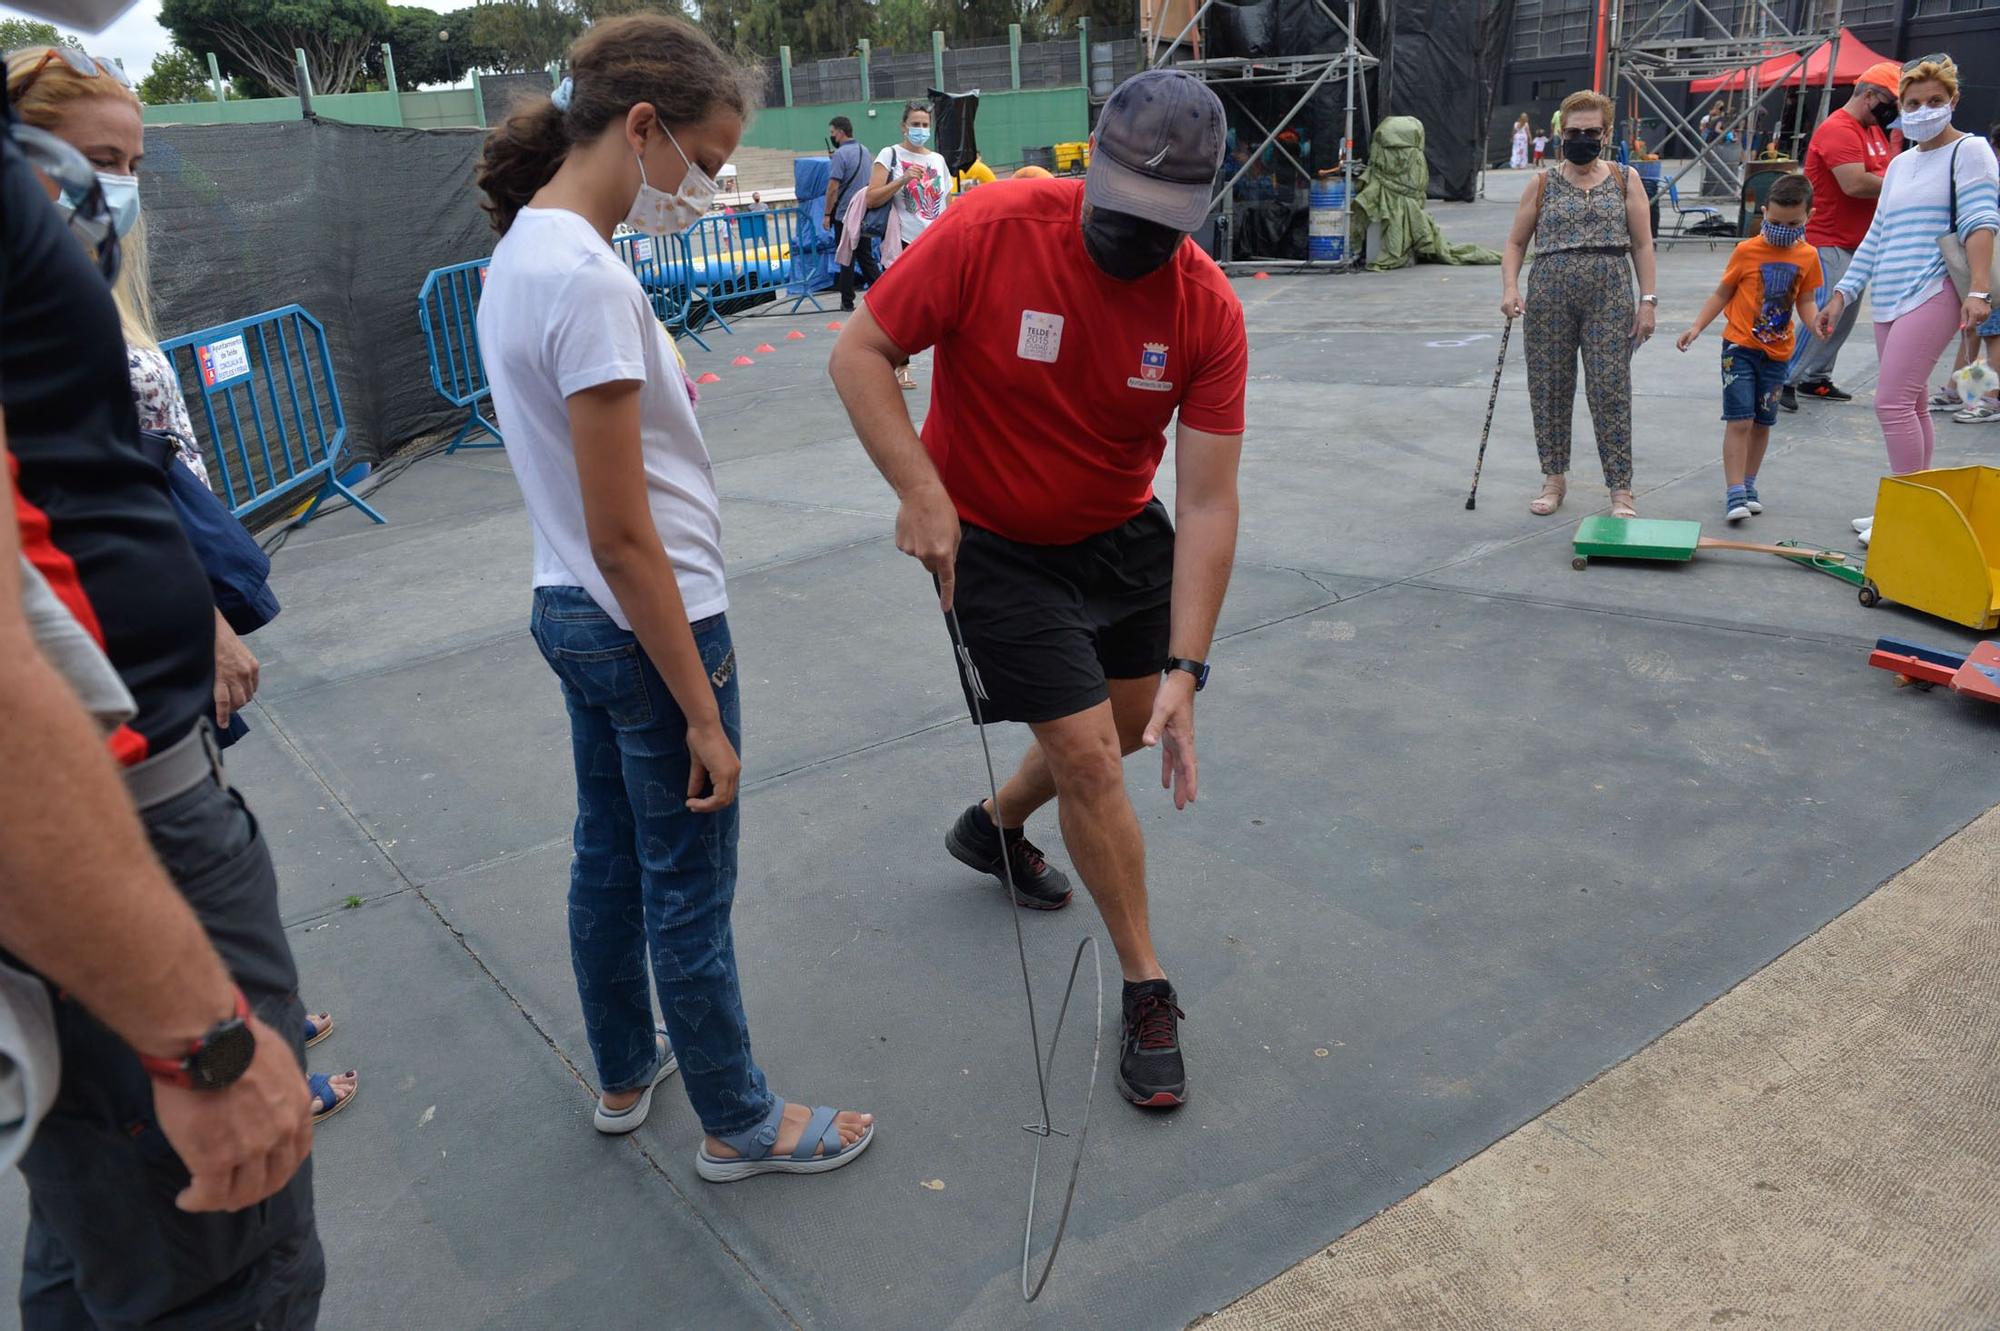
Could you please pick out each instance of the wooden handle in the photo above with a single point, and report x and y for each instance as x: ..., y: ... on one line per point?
x: 1783, y: 551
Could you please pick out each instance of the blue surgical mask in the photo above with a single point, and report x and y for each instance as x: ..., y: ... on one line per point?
x: 1784, y: 234
x: 918, y: 135
x: 121, y: 195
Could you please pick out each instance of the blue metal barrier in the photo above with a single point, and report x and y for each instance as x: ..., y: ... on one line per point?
x: 661, y: 266
x: 272, y: 409
x: 736, y: 259
x: 446, y: 305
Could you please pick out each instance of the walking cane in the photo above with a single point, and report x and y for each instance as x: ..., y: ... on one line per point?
x: 1499, y: 368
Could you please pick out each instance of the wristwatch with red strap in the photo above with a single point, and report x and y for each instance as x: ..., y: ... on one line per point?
x: 213, y: 1061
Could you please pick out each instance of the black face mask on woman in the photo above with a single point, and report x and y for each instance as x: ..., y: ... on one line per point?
x: 1128, y: 247
x: 1580, y: 151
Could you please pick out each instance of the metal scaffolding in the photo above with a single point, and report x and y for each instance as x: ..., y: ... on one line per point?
x: 1308, y: 73
x: 1682, y: 41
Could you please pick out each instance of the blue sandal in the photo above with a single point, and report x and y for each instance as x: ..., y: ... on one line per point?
x: 319, y: 1087
x: 617, y: 1122
x: 319, y: 1025
x: 819, y: 1148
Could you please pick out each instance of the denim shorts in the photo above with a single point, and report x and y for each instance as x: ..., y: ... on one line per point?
x: 1991, y: 328
x: 1750, y: 384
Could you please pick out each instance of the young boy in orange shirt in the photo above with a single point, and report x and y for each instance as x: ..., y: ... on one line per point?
x: 1771, y: 278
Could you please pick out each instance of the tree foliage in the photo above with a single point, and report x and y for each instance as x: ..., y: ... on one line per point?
x: 522, y: 35
x: 431, y: 47
x: 178, y: 75
x: 16, y: 33
x: 257, y: 38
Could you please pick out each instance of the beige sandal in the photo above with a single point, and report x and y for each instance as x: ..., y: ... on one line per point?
x: 1621, y: 504
x: 1551, y: 497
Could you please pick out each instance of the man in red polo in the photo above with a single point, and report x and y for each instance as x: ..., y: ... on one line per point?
x: 1845, y: 162
x: 1073, y: 323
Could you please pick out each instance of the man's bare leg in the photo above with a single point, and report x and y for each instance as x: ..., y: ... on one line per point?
x: 1084, y: 757
x: 1033, y: 785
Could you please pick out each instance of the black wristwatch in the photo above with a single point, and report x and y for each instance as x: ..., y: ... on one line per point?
x: 215, y: 1060
x: 1199, y: 669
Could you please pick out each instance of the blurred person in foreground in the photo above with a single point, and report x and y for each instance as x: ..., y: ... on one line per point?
x: 167, y: 1182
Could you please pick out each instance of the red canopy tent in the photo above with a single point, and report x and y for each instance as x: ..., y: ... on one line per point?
x: 1855, y: 59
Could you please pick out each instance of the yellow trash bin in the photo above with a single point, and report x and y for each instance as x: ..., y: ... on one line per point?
x: 1936, y: 545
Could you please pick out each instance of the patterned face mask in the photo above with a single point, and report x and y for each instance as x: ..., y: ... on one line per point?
x: 658, y: 213
x: 1784, y: 234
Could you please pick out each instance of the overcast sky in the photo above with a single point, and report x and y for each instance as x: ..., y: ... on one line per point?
x: 133, y: 40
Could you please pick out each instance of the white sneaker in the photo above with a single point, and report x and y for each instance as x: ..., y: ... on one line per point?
x: 1945, y: 399
x: 1738, y: 512
x: 1863, y: 524
x: 1863, y: 536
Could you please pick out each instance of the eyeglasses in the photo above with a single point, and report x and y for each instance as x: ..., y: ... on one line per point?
x: 79, y: 195
x: 1592, y: 135
x: 88, y: 66
x: 1935, y: 58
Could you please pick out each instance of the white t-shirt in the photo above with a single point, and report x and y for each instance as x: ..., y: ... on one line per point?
x: 921, y: 202
x: 559, y: 314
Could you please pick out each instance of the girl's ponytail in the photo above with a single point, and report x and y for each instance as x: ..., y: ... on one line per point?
x: 522, y: 152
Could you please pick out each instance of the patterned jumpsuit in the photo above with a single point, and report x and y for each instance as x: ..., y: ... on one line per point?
x: 1580, y: 299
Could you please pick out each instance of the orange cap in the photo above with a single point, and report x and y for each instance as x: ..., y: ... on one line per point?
x: 1032, y: 173
x: 1885, y: 74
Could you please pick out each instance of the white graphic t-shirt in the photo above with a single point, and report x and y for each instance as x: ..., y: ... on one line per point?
x: 921, y: 202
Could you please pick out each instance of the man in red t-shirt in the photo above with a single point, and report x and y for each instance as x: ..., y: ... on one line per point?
x: 1072, y: 323
x: 1845, y: 162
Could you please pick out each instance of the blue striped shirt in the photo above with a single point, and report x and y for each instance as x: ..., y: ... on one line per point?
x: 1899, y: 257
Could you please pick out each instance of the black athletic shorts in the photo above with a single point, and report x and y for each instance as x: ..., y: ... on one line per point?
x: 1047, y: 625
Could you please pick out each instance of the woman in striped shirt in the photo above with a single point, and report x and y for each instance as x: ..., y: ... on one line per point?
x: 1916, y: 308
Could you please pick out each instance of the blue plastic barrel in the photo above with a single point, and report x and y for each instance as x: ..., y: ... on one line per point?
x: 1326, y: 222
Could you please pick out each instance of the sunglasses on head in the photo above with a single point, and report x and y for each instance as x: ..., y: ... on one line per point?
x: 1593, y: 135
x: 87, y: 66
x: 1935, y: 58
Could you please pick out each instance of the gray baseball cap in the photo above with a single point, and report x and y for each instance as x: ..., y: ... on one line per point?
x: 1158, y: 145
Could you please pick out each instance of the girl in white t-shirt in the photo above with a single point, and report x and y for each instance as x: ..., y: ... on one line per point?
x: 629, y: 598
x: 917, y: 179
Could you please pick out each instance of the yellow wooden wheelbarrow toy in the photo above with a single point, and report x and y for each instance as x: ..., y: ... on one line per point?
x: 1936, y: 545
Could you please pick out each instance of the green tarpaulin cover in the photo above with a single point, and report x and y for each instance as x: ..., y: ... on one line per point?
x: 1398, y: 179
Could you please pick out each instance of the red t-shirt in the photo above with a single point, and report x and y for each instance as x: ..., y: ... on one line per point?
x: 1839, y: 219
x: 1054, y: 383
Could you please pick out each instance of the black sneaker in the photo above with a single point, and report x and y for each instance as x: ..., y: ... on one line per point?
x: 1038, y: 885
x: 1150, y: 1071
x: 1825, y: 390
x: 1788, y: 398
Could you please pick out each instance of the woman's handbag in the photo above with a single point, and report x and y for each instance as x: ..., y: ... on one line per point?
x: 238, y: 569
x: 1957, y: 263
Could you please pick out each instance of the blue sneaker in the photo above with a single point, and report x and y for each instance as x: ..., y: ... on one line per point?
x: 1750, y: 498
x: 1733, y: 506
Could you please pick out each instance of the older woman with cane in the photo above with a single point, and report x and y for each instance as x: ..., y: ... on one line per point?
x: 1588, y: 220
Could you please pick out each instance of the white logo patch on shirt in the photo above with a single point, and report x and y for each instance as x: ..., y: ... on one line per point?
x: 1041, y: 336
x: 1152, y: 374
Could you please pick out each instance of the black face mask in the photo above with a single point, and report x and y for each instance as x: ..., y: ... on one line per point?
x: 1581, y: 151
x: 1886, y: 114
x: 1128, y: 247
x: 832, y: 143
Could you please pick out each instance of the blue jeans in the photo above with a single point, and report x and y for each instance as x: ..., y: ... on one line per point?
x: 650, y: 879
x: 1750, y: 384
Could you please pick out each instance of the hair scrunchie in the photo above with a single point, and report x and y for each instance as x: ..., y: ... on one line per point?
x: 561, y: 96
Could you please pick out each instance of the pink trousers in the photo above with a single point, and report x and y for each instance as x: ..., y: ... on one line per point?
x: 1909, y: 347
